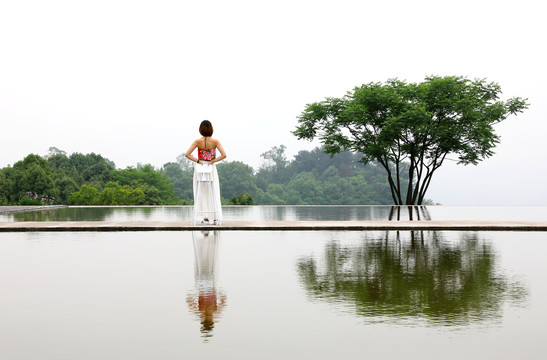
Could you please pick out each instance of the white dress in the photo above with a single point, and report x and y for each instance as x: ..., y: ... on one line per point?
x: 205, y: 205
x: 206, y: 301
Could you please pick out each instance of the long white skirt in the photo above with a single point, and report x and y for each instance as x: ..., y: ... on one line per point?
x: 206, y: 244
x: 205, y: 205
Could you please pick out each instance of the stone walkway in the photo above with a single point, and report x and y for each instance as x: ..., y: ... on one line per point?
x: 273, y: 226
x: 39, y: 226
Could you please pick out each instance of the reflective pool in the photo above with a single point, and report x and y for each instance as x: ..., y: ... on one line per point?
x: 289, y: 213
x: 271, y: 295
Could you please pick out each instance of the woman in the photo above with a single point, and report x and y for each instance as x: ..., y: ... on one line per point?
x: 207, y: 147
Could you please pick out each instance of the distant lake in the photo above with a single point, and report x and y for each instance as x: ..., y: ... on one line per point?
x: 276, y: 213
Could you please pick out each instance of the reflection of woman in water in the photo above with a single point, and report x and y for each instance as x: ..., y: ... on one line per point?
x: 207, y: 301
x: 207, y: 155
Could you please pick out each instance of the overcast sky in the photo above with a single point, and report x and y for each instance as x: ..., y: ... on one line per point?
x: 132, y: 80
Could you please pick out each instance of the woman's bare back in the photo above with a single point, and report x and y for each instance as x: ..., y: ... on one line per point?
x: 208, y: 143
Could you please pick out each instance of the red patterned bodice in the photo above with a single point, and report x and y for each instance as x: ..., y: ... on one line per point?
x: 207, y: 155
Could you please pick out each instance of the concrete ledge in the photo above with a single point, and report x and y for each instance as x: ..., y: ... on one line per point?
x: 273, y: 226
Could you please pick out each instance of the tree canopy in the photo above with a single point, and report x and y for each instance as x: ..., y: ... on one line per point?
x: 80, y: 179
x: 411, y: 127
x: 310, y: 178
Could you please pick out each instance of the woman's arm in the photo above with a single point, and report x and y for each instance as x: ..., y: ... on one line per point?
x: 190, y: 151
x: 222, y: 153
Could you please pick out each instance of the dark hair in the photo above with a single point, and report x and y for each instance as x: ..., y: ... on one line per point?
x: 206, y: 128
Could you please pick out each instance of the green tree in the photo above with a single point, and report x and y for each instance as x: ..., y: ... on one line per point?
x: 333, y: 179
x: 32, y: 174
x: 242, y: 199
x: 318, y: 161
x: 65, y: 186
x: 147, y: 175
x: 5, y: 186
x: 55, y: 151
x: 93, y: 168
x: 151, y: 194
x: 236, y: 177
x: 304, y: 189
x: 112, y: 194
x: 71, y: 172
x: 274, y: 194
x: 181, y: 178
x: 87, y: 195
x: 115, y: 194
x: 399, y: 123
x: 275, y: 168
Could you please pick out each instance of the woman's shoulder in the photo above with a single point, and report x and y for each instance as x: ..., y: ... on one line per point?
x: 211, y: 142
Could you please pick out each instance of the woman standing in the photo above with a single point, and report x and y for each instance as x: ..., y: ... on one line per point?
x: 207, y: 155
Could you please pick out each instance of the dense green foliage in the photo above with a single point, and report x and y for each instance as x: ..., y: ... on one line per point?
x: 181, y: 176
x: 242, y: 199
x: 71, y: 172
x: 81, y: 179
x: 112, y: 194
x: 315, y: 178
x: 418, y: 125
x: 156, y: 186
x: 311, y: 178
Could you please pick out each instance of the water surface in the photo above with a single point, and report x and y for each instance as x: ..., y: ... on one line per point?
x: 271, y: 295
x: 289, y: 213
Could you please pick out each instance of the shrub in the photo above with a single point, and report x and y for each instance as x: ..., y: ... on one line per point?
x: 242, y: 199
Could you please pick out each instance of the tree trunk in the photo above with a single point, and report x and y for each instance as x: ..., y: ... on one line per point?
x: 395, y: 192
x: 410, y: 181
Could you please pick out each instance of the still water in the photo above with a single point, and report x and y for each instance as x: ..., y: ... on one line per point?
x: 289, y: 213
x: 272, y: 295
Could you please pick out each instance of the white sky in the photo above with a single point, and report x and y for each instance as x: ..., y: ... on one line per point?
x: 132, y: 80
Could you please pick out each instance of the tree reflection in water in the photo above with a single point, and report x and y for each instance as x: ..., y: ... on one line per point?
x: 206, y: 301
x: 422, y: 213
x: 411, y: 277
x: 68, y: 214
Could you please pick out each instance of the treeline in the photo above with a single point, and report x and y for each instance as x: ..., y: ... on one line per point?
x: 81, y: 179
x: 311, y: 178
